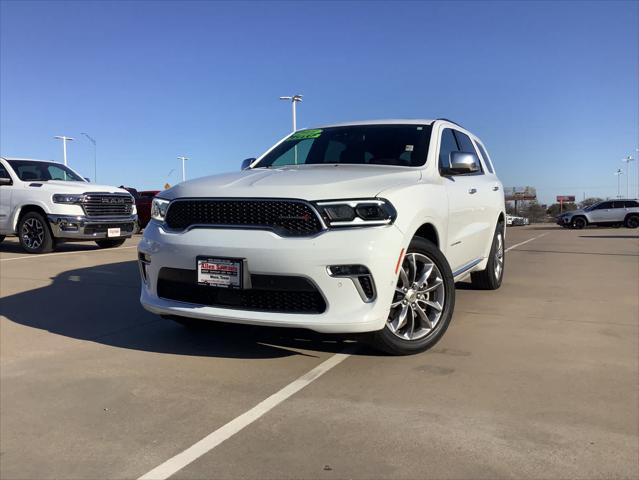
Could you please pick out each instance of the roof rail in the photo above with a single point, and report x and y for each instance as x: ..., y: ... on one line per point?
x: 450, y: 121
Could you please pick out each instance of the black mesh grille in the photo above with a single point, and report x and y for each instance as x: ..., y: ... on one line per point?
x: 366, y: 282
x: 270, y: 293
x: 285, y: 217
x: 102, y: 227
x: 107, y: 204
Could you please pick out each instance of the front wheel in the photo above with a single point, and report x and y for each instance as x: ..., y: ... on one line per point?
x: 34, y: 234
x: 110, y: 243
x: 579, y: 223
x: 423, y: 302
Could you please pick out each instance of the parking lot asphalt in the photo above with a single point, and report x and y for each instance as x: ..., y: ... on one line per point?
x: 539, y: 379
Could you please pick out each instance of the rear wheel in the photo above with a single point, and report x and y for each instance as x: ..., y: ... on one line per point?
x: 632, y: 221
x: 34, y: 234
x: 579, y: 222
x: 491, y: 277
x: 423, y: 303
x: 110, y: 243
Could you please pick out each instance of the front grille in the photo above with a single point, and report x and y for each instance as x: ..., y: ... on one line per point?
x: 284, y: 217
x: 269, y: 293
x: 90, y: 229
x: 107, y: 204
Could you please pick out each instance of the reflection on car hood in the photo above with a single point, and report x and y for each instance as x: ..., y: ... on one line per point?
x: 60, y: 186
x: 309, y: 182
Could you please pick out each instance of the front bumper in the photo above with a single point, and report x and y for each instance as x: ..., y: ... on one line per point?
x: 266, y: 253
x: 563, y: 221
x: 80, y: 227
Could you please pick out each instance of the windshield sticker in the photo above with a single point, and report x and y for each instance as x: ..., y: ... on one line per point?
x: 304, y: 134
x: 409, y: 148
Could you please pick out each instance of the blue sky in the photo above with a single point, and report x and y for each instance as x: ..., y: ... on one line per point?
x: 551, y: 87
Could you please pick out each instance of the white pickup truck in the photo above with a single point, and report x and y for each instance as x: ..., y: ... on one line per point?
x: 44, y: 203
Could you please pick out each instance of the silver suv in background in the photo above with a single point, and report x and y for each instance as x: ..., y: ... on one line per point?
x: 606, y: 213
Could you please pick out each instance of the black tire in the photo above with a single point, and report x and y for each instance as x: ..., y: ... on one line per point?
x: 579, y: 223
x: 386, y: 341
x: 107, y: 243
x: 491, y: 277
x: 35, y: 234
x: 632, y: 221
x: 2, y: 237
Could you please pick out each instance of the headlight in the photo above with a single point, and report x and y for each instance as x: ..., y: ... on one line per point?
x: 352, y: 213
x: 158, y: 208
x: 67, y: 198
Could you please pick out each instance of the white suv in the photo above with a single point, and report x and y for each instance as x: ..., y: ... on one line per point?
x: 358, y: 227
x: 44, y: 203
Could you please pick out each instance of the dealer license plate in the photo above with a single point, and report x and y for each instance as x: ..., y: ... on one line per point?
x: 220, y: 272
x: 113, y: 232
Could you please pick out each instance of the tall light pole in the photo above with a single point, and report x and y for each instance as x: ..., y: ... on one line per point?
x: 64, y: 145
x: 95, y: 155
x: 627, y: 161
x: 184, y: 159
x: 619, y: 173
x: 294, y: 99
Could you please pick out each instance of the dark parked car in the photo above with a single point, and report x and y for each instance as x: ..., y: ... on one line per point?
x: 143, y: 200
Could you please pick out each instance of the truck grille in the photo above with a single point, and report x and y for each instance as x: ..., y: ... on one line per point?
x: 270, y: 293
x: 284, y: 217
x: 107, y: 204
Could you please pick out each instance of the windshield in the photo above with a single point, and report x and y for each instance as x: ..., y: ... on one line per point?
x: 28, y: 170
x: 400, y: 145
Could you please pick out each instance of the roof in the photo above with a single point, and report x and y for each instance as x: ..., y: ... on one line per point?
x: 28, y: 159
x: 390, y: 121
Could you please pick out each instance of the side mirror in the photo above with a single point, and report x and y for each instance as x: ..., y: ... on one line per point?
x: 247, y: 163
x: 6, y: 181
x: 463, y: 162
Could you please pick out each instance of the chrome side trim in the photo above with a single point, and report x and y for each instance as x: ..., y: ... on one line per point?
x: 466, y: 267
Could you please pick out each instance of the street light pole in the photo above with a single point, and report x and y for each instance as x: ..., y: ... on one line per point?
x: 619, y: 173
x: 184, y: 159
x: 294, y: 99
x: 627, y: 161
x: 64, y: 146
x: 95, y: 156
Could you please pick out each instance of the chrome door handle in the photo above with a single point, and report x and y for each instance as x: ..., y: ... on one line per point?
x: 472, y: 190
x: 495, y: 188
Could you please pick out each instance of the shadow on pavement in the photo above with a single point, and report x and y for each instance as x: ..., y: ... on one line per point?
x: 101, y: 304
x: 608, y: 236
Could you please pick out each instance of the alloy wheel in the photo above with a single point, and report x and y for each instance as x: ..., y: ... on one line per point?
x: 419, y: 298
x: 499, y: 256
x: 32, y: 233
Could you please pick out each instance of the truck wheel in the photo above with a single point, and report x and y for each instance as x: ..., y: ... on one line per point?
x: 579, y: 223
x: 632, y: 221
x: 110, y: 243
x: 491, y: 277
x: 34, y: 234
x: 423, y: 303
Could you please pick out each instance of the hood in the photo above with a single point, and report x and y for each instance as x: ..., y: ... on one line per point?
x: 308, y: 182
x: 573, y: 212
x: 60, y: 186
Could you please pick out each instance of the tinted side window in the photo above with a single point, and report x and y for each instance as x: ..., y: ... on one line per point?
x: 484, y: 154
x: 3, y: 172
x: 618, y: 204
x: 604, y: 206
x: 632, y: 204
x: 447, y: 145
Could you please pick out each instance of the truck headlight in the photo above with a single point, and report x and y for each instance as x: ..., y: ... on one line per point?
x: 159, y: 207
x: 352, y: 213
x: 67, y: 198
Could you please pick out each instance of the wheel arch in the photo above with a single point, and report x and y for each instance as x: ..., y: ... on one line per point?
x: 24, y: 209
x: 429, y: 232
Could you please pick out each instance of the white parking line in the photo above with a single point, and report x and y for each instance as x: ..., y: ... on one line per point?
x: 26, y: 257
x: 208, y: 443
x: 525, y: 241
